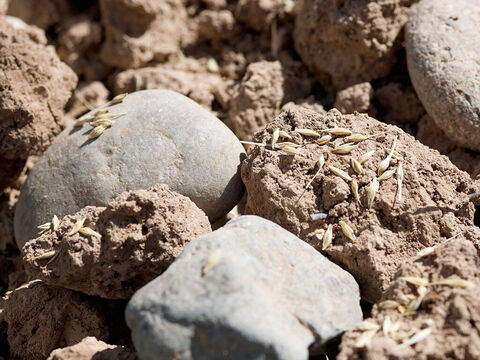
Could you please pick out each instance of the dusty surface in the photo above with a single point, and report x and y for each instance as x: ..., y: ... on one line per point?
x: 92, y: 349
x: 354, y: 98
x: 451, y: 313
x: 351, y: 42
x: 35, y: 86
x: 142, y: 232
x: 41, y: 318
x: 434, y: 205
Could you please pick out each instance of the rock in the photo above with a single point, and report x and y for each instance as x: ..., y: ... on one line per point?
x: 349, y: 42
x: 178, y: 143
x: 354, y: 98
x: 442, y: 53
x: 399, y: 104
x: 142, y: 232
x: 32, y: 106
x: 258, y: 97
x: 249, y: 290
x: 42, y: 318
x: 215, y: 25
x: 88, y: 94
x: 141, y: 31
x: 447, y: 314
x: 259, y: 14
x: 41, y: 13
x: 434, y: 203
x: 92, y: 349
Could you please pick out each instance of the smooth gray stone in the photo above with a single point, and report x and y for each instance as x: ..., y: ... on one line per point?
x: 164, y: 138
x: 443, y: 53
x: 269, y: 295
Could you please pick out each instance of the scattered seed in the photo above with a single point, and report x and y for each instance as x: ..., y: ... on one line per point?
x: 360, y: 137
x: 386, y: 175
x: 416, y: 281
x: 78, y: 225
x: 327, y: 237
x: 339, y: 173
x: 347, y: 230
x: 365, y: 157
x: 354, y: 187
x: 356, y: 166
x: 84, y: 119
x: 367, y: 326
x: 365, y: 338
x: 96, y: 132
x: 318, y: 216
x: 415, y: 304
x: 399, y: 181
x: 54, y: 257
x: 287, y: 143
x: 396, y: 155
x: 47, y: 255
x: 453, y: 282
x: 275, y: 136
x: 102, y: 122
x: 101, y: 112
x: 344, y: 149
x: 55, y: 222
x: 419, y: 336
x: 388, y: 305
x: 324, y: 139
x: 372, y: 191
x: 384, y: 164
x: 425, y: 252
x: 118, y: 99
x: 86, y: 231
x: 290, y: 150
x: 253, y: 143
x: 212, y: 260
x: 338, y: 131
x: 285, y: 135
x: 109, y: 116
x: 307, y: 132
x: 45, y: 226
x: 321, y: 162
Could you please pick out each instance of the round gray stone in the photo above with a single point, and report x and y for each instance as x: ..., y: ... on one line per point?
x: 250, y: 290
x: 443, y: 53
x: 163, y: 138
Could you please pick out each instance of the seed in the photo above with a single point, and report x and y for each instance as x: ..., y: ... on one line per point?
x: 354, y: 187
x: 386, y: 175
x: 347, y: 230
x: 367, y: 326
x: 54, y: 257
x: 327, y: 237
x: 101, y: 112
x: 284, y: 134
x: 321, y: 162
x: 55, y: 222
x: 419, y: 336
x: 118, y: 99
x: 86, y: 231
x: 287, y: 143
x: 307, y: 132
x: 396, y: 155
x: 109, y: 116
x: 388, y: 305
x: 290, y: 150
x: 338, y: 131
x: 275, y: 136
x: 96, y: 132
x: 453, y: 282
x: 384, y: 164
x: 365, y: 339
x: 45, y: 226
x: 47, y: 255
x: 425, y: 252
x: 399, y: 181
x: 212, y: 260
x: 365, y: 157
x: 324, y: 139
x: 344, y: 149
x: 84, y: 119
x: 372, y: 191
x: 360, y: 137
x: 78, y: 225
x: 416, y: 281
x: 340, y: 173
x: 356, y: 166
x: 102, y: 122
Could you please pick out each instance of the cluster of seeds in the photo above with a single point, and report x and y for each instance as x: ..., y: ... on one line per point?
x: 102, y: 119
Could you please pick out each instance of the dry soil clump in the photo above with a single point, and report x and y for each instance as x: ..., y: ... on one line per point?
x: 403, y: 205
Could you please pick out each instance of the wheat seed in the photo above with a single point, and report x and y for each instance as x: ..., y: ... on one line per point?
x: 338, y: 131
x: 287, y: 143
x: 354, y: 188
x: 367, y: 326
x: 365, y: 157
x: 307, y: 132
x: 86, y: 231
x: 384, y: 164
x: 360, y: 137
x: 324, y: 139
x: 372, y: 191
x: 416, y: 281
x: 109, y: 116
x: 45, y: 226
x: 212, y: 260
x: 78, y: 225
x: 327, y: 237
x: 388, y: 305
x: 386, y: 175
x: 321, y: 162
x: 356, y: 166
x: 96, y: 132
x: 101, y: 112
x: 118, y: 99
x: 212, y: 66
x: 290, y: 150
x: 102, y: 122
x: 453, y: 282
x: 275, y: 136
x: 285, y: 135
x: 55, y: 222
x: 395, y: 156
x: 347, y: 230
x: 399, y: 181
x: 47, y: 255
x: 415, y: 304
x: 54, y: 257
x: 425, y: 252
x: 84, y: 119
x: 344, y: 149
x: 339, y: 173
x: 319, y: 234
x: 419, y: 336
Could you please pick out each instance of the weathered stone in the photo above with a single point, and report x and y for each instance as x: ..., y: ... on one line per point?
x: 248, y: 290
x: 442, y: 52
x: 92, y: 349
x: 163, y: 138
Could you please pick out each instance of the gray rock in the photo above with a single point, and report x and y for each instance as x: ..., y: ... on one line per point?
x: 443, y: 52
x: 250, y: 290
x: 164, y: 138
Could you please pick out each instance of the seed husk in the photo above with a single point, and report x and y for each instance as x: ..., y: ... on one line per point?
x: 54, y: 257
x: 47, y: 255
x: 55, y: 222
x: 367, y: 326
x: 360, y: 137
x: 365, y: 157
x: 395, y: 156
x: 324, y: 139
x: 321, y: 162
x: 78, y: 225
x: 275, y: 136
x: 96, y: 132
x: 285, y: 135
x: 290, y: 150
x: 212, y: 260
x: 347, y: 230
x: 339, y: 173
x: 212, y: 65
x: 386, y: 175
x: 356, y: 166
x: 416, y: 281
x: 399, y: 181
x: 419, y: 336
x: 425, y: 252
x: 102, y: 122
x: 365, y: 338
x: 84, y: 119
x: 354, y: 188
x: 307, y: 132
x: 388, y: 305
x: 338, y: 131
x: 453, y: 282
x: 118, y: 99
x: 327, y: 237
x: 344, y: 149
x: 45, y: 226
x: 372, y: 191
x: 101, y: 112
x: 287, y: 143
x: 109, y: 116
x: 384, y: 164
x: 415, y: 304
x: 86, y: 231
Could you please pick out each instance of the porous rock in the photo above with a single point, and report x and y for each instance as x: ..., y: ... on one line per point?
x: 142, y: 232
x: 434, y: 203
x: 248, y: 290
x: 42, y: 318
x: 352, y: 41
x: 357, y: 97
x: 92, y: 349
x: 449, y: 314
x: 34, y: 87
x: 163, y: 138
x: 442, y: 53
x: 137, y: 32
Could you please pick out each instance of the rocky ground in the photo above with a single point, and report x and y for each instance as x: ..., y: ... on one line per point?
x: 342, y: 138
